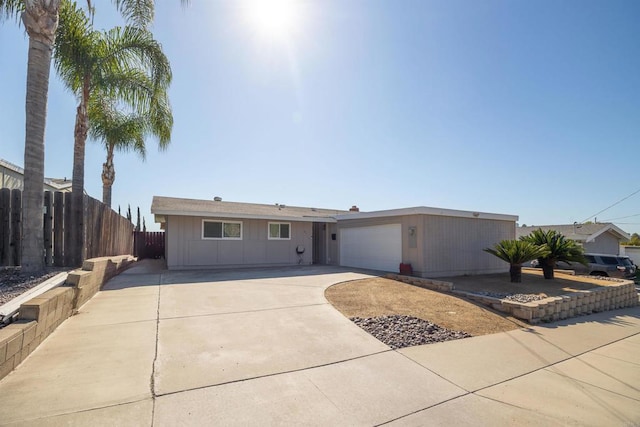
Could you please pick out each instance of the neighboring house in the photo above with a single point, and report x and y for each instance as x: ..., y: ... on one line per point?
x: 12, y: 177
x: 599, y: 238
x: 633, y: 252
x: 436, y: 242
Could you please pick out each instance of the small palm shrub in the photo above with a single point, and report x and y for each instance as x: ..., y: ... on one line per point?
x: 559, y: 249
x: 516, y: 252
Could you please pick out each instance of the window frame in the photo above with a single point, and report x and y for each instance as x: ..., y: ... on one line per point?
x: 223, y: 222
x: 270, y: 223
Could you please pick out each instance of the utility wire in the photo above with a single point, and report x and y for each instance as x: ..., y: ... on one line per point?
x: 620, y: 217
x: 616, y: 203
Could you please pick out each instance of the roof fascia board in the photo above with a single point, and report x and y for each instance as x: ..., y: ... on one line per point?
x: 423, y: 210
x: 223, y: 215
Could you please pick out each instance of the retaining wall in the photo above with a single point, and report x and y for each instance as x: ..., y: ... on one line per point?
x: 608, y: 297
x: 40, y: 316
x: 618, y: 294
x: 434, y: 285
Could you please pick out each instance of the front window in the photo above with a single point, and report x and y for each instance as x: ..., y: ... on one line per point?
x: 279, y: 231
x: 221, y: 230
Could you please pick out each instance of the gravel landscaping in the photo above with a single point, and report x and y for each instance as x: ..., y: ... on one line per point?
x: 13, y: 282
x: 398, y: 331
x: 522, y: 298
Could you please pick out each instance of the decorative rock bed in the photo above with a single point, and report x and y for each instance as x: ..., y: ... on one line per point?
x: 618, y: 294
x: 406, y: 331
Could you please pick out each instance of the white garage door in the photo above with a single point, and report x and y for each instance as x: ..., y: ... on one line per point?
x: 377, y: 247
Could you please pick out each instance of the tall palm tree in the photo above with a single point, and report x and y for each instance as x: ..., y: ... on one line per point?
x: 559, y: 249
x: 40, y: 19
x: 123, y: 131
x: 110, y: 64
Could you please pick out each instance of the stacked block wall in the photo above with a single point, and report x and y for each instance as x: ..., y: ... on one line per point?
x: 40, y: 316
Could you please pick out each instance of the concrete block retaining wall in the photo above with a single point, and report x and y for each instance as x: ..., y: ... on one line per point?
x: 434, y: 285
x: 609, y: 297
x: 94, y: 273
x: 40, y: 316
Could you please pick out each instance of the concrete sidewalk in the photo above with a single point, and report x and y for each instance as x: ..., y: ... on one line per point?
x: 263, y: 347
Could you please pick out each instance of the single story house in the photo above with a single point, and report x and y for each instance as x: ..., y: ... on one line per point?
x: 600, y: 238
x: 436, y: 242
x: 12, y: 177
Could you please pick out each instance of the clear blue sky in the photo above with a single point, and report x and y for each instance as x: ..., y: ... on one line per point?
x: 529, y: 108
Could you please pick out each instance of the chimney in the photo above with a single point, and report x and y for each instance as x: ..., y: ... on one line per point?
x: 354, y: 208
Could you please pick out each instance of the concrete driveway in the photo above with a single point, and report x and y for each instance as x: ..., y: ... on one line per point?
x: 263, y: 347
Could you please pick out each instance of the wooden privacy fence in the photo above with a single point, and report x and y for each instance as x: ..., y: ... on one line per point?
x: 10, y: 226
x: 148, y: 244
x: 107, y: 232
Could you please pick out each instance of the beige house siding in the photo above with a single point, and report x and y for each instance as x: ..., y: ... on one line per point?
x: 605, y: 243
x: 187, y: 249
x: 446, y: 245
x: 454, y: 246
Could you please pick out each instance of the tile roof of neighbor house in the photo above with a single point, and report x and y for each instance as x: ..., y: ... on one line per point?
x: 578, y: 232
x: 57, y: 183
x: 220, y: 209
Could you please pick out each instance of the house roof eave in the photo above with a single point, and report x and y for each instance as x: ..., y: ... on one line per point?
x: 613, y: 229
x: 425, y: 210
x: 161, y: 215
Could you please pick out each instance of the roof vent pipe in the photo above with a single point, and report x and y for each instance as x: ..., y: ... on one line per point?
x: 354, y: 208
x: 217, y: 199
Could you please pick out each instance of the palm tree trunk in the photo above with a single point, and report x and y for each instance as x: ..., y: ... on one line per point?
x: 108, y: 175
x: 77, y: 182
x: 515, y: 270
x: 547, y: 269
x: 40, y: 19
x: 80, y: 139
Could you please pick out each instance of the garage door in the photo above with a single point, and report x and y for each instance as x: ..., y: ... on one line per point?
x: 377, y: 247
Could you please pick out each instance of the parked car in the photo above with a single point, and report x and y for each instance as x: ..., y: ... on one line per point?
x: 606, y: 265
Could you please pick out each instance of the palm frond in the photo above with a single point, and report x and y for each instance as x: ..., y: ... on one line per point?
x: 11, y: 9
x: 560, y: 249
x: 74, y: 46
x: 135, y: 47
x: 137, y: 12
x: 516, y: 252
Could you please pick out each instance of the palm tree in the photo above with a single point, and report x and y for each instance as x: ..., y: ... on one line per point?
x: 40, y: 19
x: 111, y: 64
x: 559, y: 249
x: 516, y: 252
x: 123, y: 132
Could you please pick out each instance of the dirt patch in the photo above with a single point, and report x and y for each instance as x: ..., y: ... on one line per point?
x: 385, y: 297
x: 532, y: 283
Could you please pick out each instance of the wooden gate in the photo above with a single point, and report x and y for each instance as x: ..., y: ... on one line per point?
x: 148, y: 244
